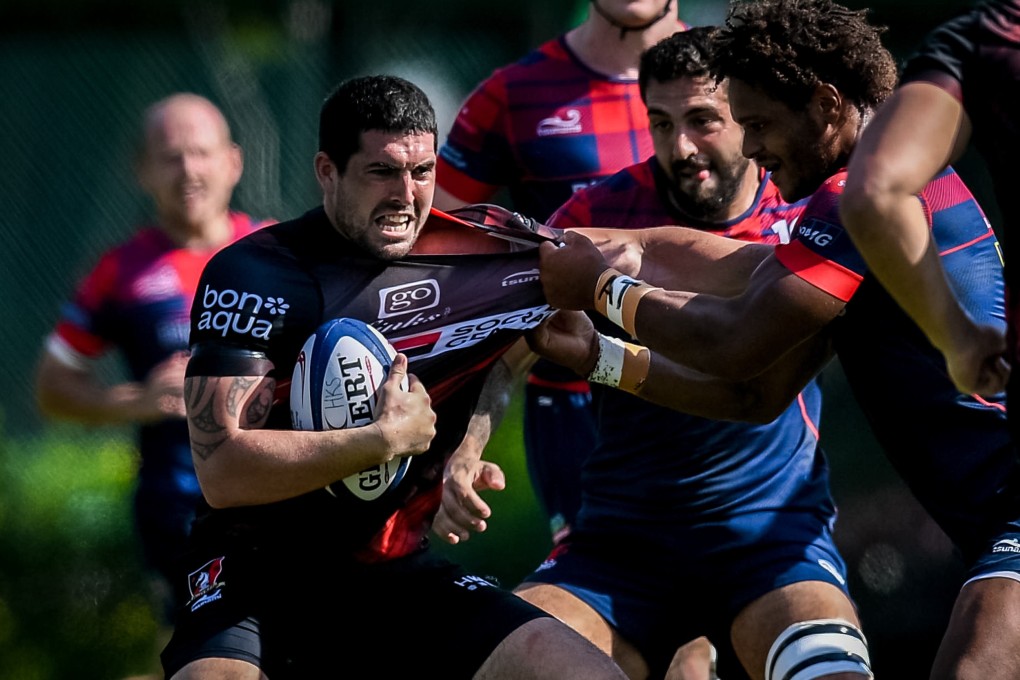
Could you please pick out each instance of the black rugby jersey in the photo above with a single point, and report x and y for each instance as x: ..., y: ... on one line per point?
x: 453, y: 315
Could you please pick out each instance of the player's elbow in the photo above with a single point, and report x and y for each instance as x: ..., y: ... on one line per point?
x: 734, y: 362
x: 866, y: 204
x: 219, y: 493
x: 756, y: 405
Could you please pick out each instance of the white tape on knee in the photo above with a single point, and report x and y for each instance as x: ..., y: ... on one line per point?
x: 812, y: 649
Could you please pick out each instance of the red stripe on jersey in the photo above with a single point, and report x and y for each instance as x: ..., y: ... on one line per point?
x: 81, y: 341
x: 971, y: 242
x: 462, y: 186
x: 577, y: 386
x: 834, y: 279
x: 811, y: 425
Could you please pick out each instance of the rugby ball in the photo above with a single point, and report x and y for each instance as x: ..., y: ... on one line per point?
x: 334, y: 386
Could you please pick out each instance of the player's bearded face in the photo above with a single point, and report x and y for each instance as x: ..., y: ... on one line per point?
x: 383, y: 197
x: 707, y: 199
x: 697, y: 143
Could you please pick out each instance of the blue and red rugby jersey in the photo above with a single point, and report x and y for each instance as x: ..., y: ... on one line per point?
x: 660, y: 469
x: 976, y: 59
x: 137, y: 300
x: 952, y: 450
x: 544, y: 127
x: 637, y: 197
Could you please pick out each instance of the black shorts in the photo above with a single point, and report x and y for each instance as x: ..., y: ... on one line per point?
x: 300, y: 617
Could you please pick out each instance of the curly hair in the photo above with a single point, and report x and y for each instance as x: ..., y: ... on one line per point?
x: 685, y: 54
x: 788, y: 47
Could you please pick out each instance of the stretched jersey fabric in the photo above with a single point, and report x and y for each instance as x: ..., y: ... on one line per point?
x: 952, y: 450
x: 658, y: 468
x: 976, y: 58
x: 544, y: 127
x: 453, y: 315
x: 138, y: 300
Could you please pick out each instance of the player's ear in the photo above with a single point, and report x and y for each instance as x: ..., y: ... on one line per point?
x: 326, y: 171
x: 236, y: 162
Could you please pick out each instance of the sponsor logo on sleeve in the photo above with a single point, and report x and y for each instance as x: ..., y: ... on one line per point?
x: 817, y: 231
x: 784, y: 229
x: 238, y: 312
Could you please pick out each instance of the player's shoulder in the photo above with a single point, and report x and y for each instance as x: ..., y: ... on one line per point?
x: 538, y: 63
x: 268, y: 247
x: 627, y: 180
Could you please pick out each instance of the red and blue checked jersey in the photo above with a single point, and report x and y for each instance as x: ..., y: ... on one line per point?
x: 953, y: 450
x: 137, y: 300
x: 654, y: 467
x: 976, y: 58
x: 637, y: 197
x: 544, y: 127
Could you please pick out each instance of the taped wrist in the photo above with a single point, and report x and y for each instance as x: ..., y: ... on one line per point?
x: 617, y: 296
x: 620, y: 364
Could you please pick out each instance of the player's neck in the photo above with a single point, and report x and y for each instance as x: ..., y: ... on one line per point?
x: 597, y: 43
x: 207, y: 235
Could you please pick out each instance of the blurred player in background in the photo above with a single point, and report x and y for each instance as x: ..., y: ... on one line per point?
x: 961, y: 85
x: 565, y: 116
x: 805, y: 77
x: 137, y: 301
x: 689, y: 526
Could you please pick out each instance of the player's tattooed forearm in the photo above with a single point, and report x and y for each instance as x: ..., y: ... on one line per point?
x: 236, y: 394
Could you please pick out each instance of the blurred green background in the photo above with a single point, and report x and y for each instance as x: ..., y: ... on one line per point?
x: 74, y: 79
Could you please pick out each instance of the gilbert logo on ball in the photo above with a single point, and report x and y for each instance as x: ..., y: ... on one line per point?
x: 335, y: 386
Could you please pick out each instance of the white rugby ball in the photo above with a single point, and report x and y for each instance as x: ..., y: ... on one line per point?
x: 334, y: 386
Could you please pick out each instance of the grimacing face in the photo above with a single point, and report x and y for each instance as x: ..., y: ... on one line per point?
x: 697, y: 144
x: 190, y: 167
x: 382, y: 199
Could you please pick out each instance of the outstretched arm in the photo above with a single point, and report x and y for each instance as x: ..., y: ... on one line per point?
x: 918, y: 131
x: 675, y: 258
x: 736, y: 333
x: 570, y: 339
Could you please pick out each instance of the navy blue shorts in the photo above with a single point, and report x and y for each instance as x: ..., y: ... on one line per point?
x: 1001, y: 557
x: 416, y: 616
x: 559, y: 433
x: 662, y: 591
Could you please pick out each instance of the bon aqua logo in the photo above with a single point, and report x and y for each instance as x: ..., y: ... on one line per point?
x: 231, y: 311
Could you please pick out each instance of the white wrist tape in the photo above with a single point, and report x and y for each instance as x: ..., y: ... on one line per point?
x: 618, y: 288
x: 621, y: 365
x: 609, y: 366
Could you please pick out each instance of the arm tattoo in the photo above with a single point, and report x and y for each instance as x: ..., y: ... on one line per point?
x: 235, y: 395
x: 261, y: 401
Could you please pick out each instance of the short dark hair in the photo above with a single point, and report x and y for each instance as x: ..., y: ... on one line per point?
x: 380, y: 102
x: 787, y: 48
x: 685, y: 54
